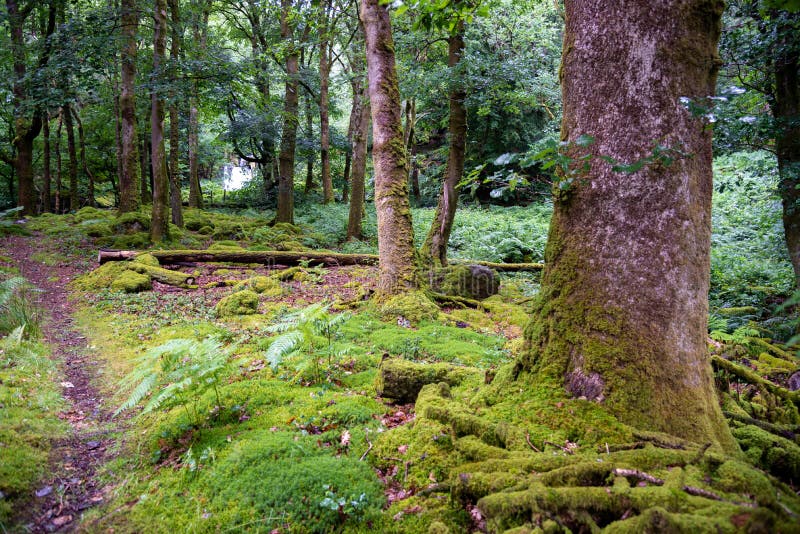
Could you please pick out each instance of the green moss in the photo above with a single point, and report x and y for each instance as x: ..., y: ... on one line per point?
x: 240, y: 303
x: 131, y: 282
x: 415, y: 306
x: 226, y: 245
x: 461, y: 281
x: 100, y: 278
x: 737, y: 311
x: 98, y: 229
x: 147, y: 259
x: 264, y: 285
x: 772, y: 453
x: 139, y: 240
x: 402, y: 380
x: 195, y: 220
x: 89, y: 213
x: 206, y: 230
x: 131, y: 222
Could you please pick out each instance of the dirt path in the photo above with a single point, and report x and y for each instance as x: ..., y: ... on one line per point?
x: 71, y: 486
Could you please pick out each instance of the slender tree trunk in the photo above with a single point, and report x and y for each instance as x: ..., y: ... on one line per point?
x: 72, y: 158
x: 289, y: 136
x: 145, y: 170
x: 175, y: 200
x: 411, y: 146
x: 324, y: 121
x: 639, y: 353
x: 59, y: 177
x: 398, y: 265
x: 47, y: 179
x: 82, y: 145
x: 434, y: 250
x: 159, y: 227
x: 787, y: 141
x: 310, y: 158
x: 130, y: 192
x: 195, y: 193
x: 118, y: 140
x: 359, y: 166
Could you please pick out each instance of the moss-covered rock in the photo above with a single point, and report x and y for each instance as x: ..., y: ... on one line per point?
x: 98, y: 229
x: 206, y: 230
x: 415, y: 306
x: 468, y: 281
x: 100, y: 278
x: 265, y: 285
x: 147, y: 259
x: 240, y: 303
x: 132, y: 282
x: 229, y: 230
x: 195, y: 220
x: 131, y: 223
x: 402, y: 380
x: 135, y: 241
x: 775, y: 454
x: 89, y: 213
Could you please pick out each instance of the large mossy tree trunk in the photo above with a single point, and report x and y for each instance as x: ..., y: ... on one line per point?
x: 398, y: 262
x: 786, y: 110
x: 434, y: 250
x: 622, y: 316
x: 129, y: 195
x: 285, y: 212
x: 159, y: 223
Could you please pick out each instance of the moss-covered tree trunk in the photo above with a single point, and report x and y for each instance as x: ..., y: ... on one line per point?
x: 324, y: 120
x: 90, y: 200
x: 159, y: 223
x: 289, y: 133
x: 786, y: 109
x: 359, y: 132
x: 175, y: 201
x: 434, y: 250
x: 200, y: 33
x: 622, y: 316
x: 46, y: 163
x: 129, y: 178
x: 395, y: 233
x: 72, y: 158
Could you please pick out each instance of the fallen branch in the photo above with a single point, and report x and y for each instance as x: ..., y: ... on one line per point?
x: 638, y: 475
x: 753, y: 378
x: 778, y: 430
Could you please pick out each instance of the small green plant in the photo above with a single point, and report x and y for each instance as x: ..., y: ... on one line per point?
x: 176, y: 373
x: 17, y: 309
x: 309, y: 331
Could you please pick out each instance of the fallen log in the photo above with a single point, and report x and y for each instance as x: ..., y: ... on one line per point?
x: 280, y: 257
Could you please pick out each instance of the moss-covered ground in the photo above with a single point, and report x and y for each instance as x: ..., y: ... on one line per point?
x: 304, y: 443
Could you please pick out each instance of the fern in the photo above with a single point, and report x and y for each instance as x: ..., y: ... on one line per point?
x: 177, y: 372
x: 17, y: 308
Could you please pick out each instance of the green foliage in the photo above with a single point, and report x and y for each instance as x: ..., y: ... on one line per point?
x: 9, y: 224
x: 17, y: 309
x: 308, y: 333
x: 176, y: 373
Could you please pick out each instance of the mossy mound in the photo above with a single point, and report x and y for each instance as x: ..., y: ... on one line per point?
x: 98, y: 229
x: 281, y: 236
x: 136, y: 241
x: 147, y: 259
x: 226, y: 244
x: 228, y: 230
x: 264, y: 285
x: 194, y: 220
x: 89, y: 213
x: 240, y: 303
x: 206, y: 230
x: 132, y: 282
x: 469, y: 281
x: 100, y: 278
x: 131, y: 223
x: 414, y: 306
x: 774, y: 454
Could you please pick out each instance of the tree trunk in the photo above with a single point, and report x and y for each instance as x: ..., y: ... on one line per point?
x: 159, y: 226
x: 72, y: 158
x: 195, y: 193
x: 310, y: 158
x: 434, y: 250
x: 324, y: 121
x: 639, y: 352
x: 129, y: 179
x: 82, y: 144
x: 47, y: 179
x: 175, y: 200
x: 359, y: 132
x: 118, y: 141
x: 59, y: 169
x: 289, y: 135
x: 787, y: 141
x: 145, y: 171
x: 398, y: 269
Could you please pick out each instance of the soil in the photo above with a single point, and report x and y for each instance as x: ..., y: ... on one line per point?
x: 71, y: 485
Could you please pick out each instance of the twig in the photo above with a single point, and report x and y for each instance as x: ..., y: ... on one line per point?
x: 565, y: 449
x: 700, y: 454
x: 700, y: 492
x: 366, y: 451
x: 528, y: 439
x: 638, y: 475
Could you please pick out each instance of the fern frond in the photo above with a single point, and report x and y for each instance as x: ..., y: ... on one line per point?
x: 281, y: 346
x: 140, y: 392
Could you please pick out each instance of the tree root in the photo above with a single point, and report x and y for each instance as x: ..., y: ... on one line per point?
x: 753, y: 378
x: 778, y: 430
x: 461, y: 302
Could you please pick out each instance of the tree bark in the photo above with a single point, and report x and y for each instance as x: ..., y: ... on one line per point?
x: 72, y: 158
x: 57, y: 203
x: 398, y: 269
x: 145, y: 170
x: 47, y: 178
x: 195, y: 192
x: 159, y: 226
x: 82, y: 146
x: 434, y: 250
x: 786, y: 110
x: 359, y: 132
x: 289, y: 134
x: 175, y: 200
x: 310, y: 158
x: 324, y: 120
x: 641, y: 353
x: 129, y: 178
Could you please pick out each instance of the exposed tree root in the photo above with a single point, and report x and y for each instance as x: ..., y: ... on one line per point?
x: 753, y: 378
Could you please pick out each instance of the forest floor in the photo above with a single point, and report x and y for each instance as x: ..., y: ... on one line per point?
x: 71, y: 485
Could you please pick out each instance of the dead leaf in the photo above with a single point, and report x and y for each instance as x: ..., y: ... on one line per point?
x: 402, y: 449
x: 62, y: 520
x: 345, y: 441
x: 67, y: 385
